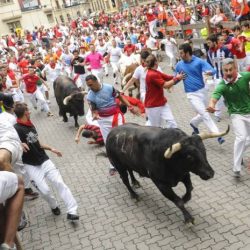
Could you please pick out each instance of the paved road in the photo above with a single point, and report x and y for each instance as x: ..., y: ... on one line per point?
x: 109, y: 219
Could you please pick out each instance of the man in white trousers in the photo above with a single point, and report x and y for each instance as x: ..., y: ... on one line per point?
x: 101, y: 99
x: 235, y: 89
x: 33, y: 92
x: 194, y: 86
x: 39, y: 167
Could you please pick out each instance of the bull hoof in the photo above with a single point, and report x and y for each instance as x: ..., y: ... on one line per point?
x: 186, y: 198
x: 136, y: 184
x: 189, y: 222
x: 77, y: 126
x: 65, y: 119
x: 135, y: 196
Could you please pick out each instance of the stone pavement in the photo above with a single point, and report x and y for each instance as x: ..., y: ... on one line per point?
x: 109, y: 219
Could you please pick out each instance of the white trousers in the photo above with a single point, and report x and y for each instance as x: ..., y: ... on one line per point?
x: 98, y: 73
x: 198, y: 100
x: 248, y: 59
x: 8, y: 185
x: 172, y: 58
x: 105, y: 124
x: 115, y: 69
x: 242, y: 63
x: 220, y: 104
x: 241, y: 127
x: 39, y: 174
x: 152, y: 28
x: 38, y: 96
x: 156, y: 114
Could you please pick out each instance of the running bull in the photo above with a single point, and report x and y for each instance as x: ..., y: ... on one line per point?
x: 69, y: 98
x: 167, y: 156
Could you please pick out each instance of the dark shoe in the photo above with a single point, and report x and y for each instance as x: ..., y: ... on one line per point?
x: 220, y: 140
x: 72, y: 217
x: 56, y: 211
x: 217, y: 118
x: 195, y: 130
x: 114, y: 75
x: 112, y: 171
x: 23, y: 222
x: 237, y: 174
x: 30, y: 195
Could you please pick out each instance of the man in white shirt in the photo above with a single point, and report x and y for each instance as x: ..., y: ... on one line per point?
x: 115, y: 54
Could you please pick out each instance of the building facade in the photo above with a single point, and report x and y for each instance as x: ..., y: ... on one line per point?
x: 26, y: 14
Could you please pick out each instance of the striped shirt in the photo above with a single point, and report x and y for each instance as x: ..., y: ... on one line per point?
x: 96, y: 129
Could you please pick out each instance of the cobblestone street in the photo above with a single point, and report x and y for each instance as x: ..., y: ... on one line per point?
x: 110, y: 219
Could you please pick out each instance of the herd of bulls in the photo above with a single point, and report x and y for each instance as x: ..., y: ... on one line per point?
x: 166, y: 156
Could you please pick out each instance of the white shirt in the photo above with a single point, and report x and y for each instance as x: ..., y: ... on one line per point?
x: 101, y: 49
x: 170, y: 44
x: 115, y: 54
x: 7, y: 131
x: 52, y: 74
x: 151, y: 43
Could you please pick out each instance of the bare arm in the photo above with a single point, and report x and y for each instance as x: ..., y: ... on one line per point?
x: 77, y: 138
x: 211, y: 105
x: 53, y: 150
x: 130, y: 83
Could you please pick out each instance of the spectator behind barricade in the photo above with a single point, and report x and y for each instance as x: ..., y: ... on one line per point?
x: 241, y: 10
x: 181, y: 12
x: 218, y: 17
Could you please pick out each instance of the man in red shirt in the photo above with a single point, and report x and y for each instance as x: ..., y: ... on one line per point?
x: 156, y: 105
x: 151, y: 19
x: 33, y: 92
x: 129, y: 48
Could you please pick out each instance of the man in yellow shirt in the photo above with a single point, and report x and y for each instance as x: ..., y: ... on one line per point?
x: 246, y: 33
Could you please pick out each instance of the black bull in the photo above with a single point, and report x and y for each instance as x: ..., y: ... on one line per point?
x: 166, y: 156
x: 69, y: 98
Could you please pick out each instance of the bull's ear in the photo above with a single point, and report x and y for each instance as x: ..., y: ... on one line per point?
x: 66, y: 100
x: 171, y: 150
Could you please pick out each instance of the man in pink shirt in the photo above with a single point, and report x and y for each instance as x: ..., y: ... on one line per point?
x: 94, y: 61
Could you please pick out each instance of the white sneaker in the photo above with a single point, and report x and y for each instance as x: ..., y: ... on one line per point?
x: 5, y: 246
x: 48, y: 101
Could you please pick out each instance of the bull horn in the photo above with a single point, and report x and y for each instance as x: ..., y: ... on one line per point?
x: 66, y: 100
x: 171, y: 150
x: 205, y: 135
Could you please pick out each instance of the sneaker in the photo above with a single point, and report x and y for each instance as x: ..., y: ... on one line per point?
x: 35, y: 108
x: 114, y: 75
x: 72, y: 217
x: 29, y: 194
x: 23, y: 222
x: 49, y: 114
x: 217, y: 118
x: 220, y: 140
x: 5, y: 246
x: 56, y: 211
x: 106, y: 75
x: 112, y: 171
x: 195, y: 130
x: 48, y: 101
x: 237, y: 174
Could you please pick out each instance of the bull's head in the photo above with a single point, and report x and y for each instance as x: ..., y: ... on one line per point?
x: 75, y: 102
x: 194, y: 151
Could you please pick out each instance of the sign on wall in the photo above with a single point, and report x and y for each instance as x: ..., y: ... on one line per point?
x: 29, y: 4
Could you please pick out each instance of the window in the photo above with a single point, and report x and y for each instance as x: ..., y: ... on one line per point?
x: 62, y: 18
x: 68, y: 17
x: 50, y: 18
x: 13, y: 25
x: 5, y: 1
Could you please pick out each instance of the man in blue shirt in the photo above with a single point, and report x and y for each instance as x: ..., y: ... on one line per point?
x: 194, y: 86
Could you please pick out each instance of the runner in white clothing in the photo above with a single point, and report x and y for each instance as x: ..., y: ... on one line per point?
x: 115, y: 55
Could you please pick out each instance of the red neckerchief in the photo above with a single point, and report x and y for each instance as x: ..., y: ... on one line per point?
x: 28, y: 123
x: 52, y: 65
x: 214, y: 48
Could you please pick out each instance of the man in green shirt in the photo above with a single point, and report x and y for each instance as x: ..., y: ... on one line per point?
x: 235, y: 88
